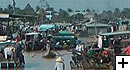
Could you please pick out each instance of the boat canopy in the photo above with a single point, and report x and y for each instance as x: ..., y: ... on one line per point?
x: 115, y: 33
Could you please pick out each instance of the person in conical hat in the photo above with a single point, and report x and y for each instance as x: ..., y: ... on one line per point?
x: 59, y: 64
x: 59, y: 59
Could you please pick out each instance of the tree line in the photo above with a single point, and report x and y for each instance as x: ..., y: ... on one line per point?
x: 65, y: 16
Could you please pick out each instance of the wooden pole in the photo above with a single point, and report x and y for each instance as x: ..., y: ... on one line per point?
x: 95, y: 28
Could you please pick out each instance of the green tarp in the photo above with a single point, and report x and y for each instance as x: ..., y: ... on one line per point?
x: 45, y: 27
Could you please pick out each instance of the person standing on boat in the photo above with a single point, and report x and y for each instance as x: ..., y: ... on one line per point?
x: 19, y: 51
x: 18, y: 37
x: 100, y: 41
x: 116, y: 44
x: 59, y: 64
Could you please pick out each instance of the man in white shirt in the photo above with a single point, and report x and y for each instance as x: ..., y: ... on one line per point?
x: 8, y: 52
x: 78, y: 53
x: 79, y: 49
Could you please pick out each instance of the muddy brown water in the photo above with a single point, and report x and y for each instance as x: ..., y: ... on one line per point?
x: 39, y: 63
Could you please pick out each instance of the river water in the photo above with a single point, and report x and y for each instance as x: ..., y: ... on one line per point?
x: 39, y: 63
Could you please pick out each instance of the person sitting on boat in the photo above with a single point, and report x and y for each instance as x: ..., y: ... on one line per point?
x: 78, y: 51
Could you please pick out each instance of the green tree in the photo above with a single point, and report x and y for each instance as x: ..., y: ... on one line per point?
x: 47, y: 5
x: 44, y: 4
x: 93, y: 10
x: 37, y: 8
x: 9, y: 9
x: 105, y: 16
x: 125, y: 13
x: 70, y: 10
x: 18, y: 11
x: 79, y: 16
x: 117, y: 13
x: 88, y: 10
x: 63, y: 15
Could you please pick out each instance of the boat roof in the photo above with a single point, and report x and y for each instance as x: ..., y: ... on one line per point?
x: 64, y: 33
x: 115, y: 33
x: 32, y: 33
x: 97, y: 25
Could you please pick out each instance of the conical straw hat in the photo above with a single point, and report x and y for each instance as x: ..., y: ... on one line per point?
x: 59, y: 59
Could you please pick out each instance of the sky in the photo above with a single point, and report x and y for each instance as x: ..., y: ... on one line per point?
x: 73, y: 4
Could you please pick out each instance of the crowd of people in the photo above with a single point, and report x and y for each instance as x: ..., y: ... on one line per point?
x: 47, y: 43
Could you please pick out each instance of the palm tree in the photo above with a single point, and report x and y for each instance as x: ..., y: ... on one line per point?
x: 70, y: 10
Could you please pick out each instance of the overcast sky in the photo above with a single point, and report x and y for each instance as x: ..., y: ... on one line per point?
x: 74, y: 4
